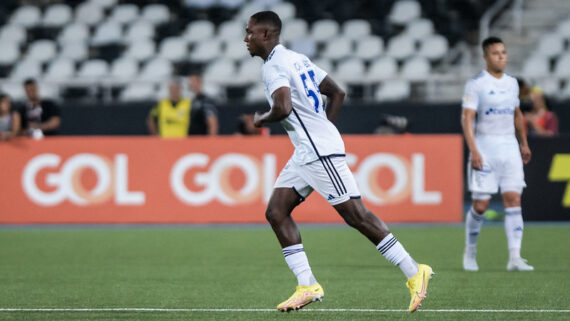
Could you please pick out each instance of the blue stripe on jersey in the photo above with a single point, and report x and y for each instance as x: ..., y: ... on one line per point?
x: 306, y: 132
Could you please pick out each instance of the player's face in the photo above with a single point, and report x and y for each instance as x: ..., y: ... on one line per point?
x: 496, y: 57
x: 254, y: 34
x: 5, y: 105
x: 31, y: 91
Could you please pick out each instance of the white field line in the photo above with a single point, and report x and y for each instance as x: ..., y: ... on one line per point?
x: 269, y: 310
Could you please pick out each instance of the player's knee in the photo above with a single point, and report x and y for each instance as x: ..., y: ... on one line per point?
x: 512, y: 201
x: 480, y: 206
x: 274, y: 214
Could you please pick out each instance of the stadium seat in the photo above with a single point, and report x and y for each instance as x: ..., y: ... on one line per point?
x: 26, y: 69
x: 93, y: 69
x: 562, y: 67
x: 57, y: 15
x: 10, y: 52
x: 550, y: 86
x: 124, y: 69
x: 404, y: 11
x: 400, y: 47
x: 13, y: 33
x: 285, y: 10
x: 173, y: 49
x: 419, y: 28
x: 550, y: 45
x: 337, y: 48
x: 369, y: 47
x: 74, y: 32
x: 536, y: 66
x: 323, y: 30
x: 104, y: 4
x: 231, y: 4
x: 221, y: 71
x: 356, y: 29
x: 305, y: 46
x: 89, y: 14
x: 124, y: 13
x: 381, y: 69
x: 249, y: 71
x: 255, y: 94
x: 351, y: 71
x: 231, y: 30
x: 139, y: 30
x: 140, y: 50
x: 76, y: 51
x: 14, y: 89
x: 565, y: 92
x: 60, y: 69
x: 26, y: 16
x: 393, y: 90
x: 206, y: 50
x: 155, y: 14
x: 324, y: 63
x: 109, y: 32
x: 433, y: 47
x: 416, y: 69
x: 200, y: 4
x: 42, y: 50
x: 248, y: 10
x: 199, y: 30
x: 564, y: 29
x: 139, y: 92
x: 157, y: 69
x: 294, y: 29
x: 235, y: 50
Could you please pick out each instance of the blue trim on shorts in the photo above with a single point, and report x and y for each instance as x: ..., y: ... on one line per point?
x: 356, y: 197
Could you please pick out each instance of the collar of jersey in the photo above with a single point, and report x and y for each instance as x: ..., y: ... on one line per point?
x: 273, y: 52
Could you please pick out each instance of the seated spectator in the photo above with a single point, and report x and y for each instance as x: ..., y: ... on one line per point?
x: 540, y: 121
x: 203, y: 115
x: 171, y: 116
x: 10, y: 121
x: 40, y: 117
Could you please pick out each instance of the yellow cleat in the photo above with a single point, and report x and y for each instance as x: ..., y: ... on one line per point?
x: 418, y: 286
x: 303, y: 295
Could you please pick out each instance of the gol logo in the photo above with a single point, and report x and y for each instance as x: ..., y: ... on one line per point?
x: 112, y: 179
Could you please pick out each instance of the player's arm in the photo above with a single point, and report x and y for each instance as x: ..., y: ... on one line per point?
x: 282, y: 107
x: 467, y: 120
x: 213, y: 126
x: 335, y: 97
x: 521, y: 136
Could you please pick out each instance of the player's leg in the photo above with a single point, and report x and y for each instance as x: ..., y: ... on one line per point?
x: 473, y: 225
x: 514, y: 226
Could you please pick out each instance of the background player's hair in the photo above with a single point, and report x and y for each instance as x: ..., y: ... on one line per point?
x: 30, y: 81
x: 490, y: 41
x: 4, y: 96
x: 268, y: 17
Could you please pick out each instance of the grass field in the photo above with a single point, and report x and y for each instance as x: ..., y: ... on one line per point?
x: 238, y: 268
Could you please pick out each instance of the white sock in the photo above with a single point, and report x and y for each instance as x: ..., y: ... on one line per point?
x: 298, y: 263
x: 394, y: 252
x: 473, y: 224
x: 514, y: 229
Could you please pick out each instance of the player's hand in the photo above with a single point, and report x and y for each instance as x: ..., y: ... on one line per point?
x: 476, y: 160
x: 525, y: 154
x: 257, y: 119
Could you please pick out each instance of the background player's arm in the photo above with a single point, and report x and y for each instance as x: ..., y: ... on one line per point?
x: 467, y: 117
x: 282, y: 107
x: 335, y: 97
x: 521, y: 136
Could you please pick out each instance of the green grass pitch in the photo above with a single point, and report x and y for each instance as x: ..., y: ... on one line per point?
x: 243, y: 268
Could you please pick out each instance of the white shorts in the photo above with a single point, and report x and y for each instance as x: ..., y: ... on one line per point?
x: 502, y: 168
x: 330, y: 176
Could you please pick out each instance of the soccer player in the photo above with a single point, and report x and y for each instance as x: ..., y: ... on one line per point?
x: 293, y: 87
x: 498, y: 148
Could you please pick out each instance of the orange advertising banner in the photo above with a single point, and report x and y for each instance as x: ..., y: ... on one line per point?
x: 216, y: 179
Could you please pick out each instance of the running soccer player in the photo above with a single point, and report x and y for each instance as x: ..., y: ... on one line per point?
x: 498, y: 149
x: 293, y: 87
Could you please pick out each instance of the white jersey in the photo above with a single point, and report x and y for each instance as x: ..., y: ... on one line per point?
x: 495, y: 101
x: 308, y: 127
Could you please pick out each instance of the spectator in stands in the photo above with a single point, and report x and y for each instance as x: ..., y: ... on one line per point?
x: 10, y: 121
x: 391, y: 125
x: 40, y: 116
x: 540, y: 121
x: 203, y: 114
x: 171, y: 116
x: 524, y: 96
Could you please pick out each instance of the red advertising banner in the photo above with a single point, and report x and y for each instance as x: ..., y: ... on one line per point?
x: 216, y: 179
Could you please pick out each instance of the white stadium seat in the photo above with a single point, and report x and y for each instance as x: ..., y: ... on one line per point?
x: 89, y: 14
x: 562, y: 67
x: 93, y: 69
x: 57, y: 15
x: 337, y: 48
x: 249, y: 71
x: 139, y: 30
x: 76, y: 51
x: 10, y: 52
x: 14, y: 89
x: 294, y: 29
x: 141, y: 50
x: 433, y: 47
x: 285, y: 10
x: 157, y: 69
x: 26, y: 69
x: 400, y: 47
x: 74, y: 32
x: 26, y: 16
x: 106, y: 33
x: 416, y: 69
x: 155, y: 13
x: 564, y: 28
x: 305, y: 46
x: 124, y: 69
x: 419, y: 28
x: 124, y: 13
x: 206, y: 50
x: 13, y: 33
x: 356, y: 29
x: 536, y: 66
x: 221, y: 71
x: 255, y: 94
x: 550, y: 86
x: 231, y: 30
x: 393, y: 90
x: 323, y: 30
x: 42, y: 50
x: 104, y: 4
x: 138, y: 92
x: 60, y: 69
x: 199, y: 30
x: 324, y: 63
x: 235, y: 50
x: 231, y: 4
x: 550, y: 45
x: 369, y: 47
x: 404, y: 11
x: 200, y: 4
x: 173, y: 48
x: 248, y: 10
x: 351, y: 71
x: 381, y: 69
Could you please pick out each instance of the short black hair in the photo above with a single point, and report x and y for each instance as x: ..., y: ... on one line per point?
x: 30, y: 81
x: 4, y: 96
x: 490, y: 41
x: 268, y: 17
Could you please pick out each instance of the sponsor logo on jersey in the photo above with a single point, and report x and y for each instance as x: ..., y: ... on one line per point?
x: 500, y: 111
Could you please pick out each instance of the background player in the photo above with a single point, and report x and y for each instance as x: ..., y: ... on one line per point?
x: 496, y: 155
x: 293, y: 87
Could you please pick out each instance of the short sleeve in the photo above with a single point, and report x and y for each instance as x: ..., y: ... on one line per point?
x: 470, y: 97
x: 275, y: 77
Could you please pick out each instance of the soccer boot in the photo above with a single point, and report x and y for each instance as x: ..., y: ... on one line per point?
x: 519, y: 264
x: 418, y: 286
x: 303, y: 295
x: 469, y: 261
